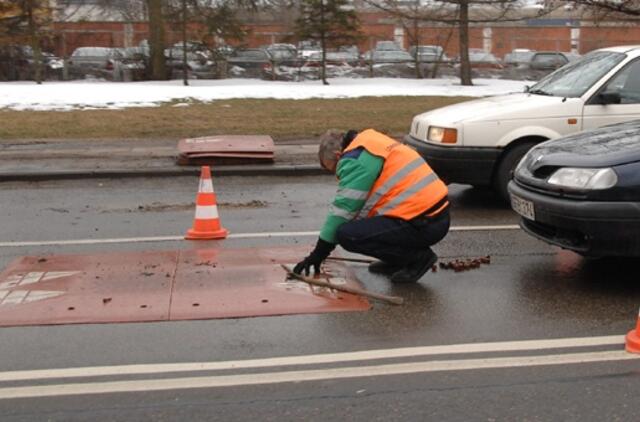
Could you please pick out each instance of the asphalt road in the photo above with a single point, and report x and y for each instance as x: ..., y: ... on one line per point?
x: 535, y: 335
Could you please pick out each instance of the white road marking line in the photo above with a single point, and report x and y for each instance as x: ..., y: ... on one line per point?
x: 12, y: 281
x: 31, y: 278
x: 504, y: 346
x: 15, y: 297
x: 37, y: 295
x: 484, y: 228
x: 18, y: 280
x: 90, y: 241
x: 52, y: 275
x: 231, y: 236
x: 308, y: 375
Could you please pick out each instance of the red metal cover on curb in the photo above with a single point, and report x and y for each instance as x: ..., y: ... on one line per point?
x: 161, y: 286
x: 211, y: 145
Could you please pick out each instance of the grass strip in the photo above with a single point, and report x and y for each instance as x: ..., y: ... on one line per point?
x: 282, y: 119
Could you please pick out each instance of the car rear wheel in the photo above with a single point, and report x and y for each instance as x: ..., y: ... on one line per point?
x: 508, y: 163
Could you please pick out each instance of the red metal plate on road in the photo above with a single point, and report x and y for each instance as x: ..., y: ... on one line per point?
x: 227, y: 144
x: 87, y: 288
x: 161, y: 286
x: 250, y: 282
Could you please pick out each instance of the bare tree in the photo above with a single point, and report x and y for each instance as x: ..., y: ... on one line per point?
x: 615, y: 9
x: 457, y: 13
x: 156, y: 39
x: 27, y: 21
x: 329, y: 22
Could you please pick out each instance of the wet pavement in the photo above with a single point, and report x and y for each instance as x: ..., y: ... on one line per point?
x: 529, y: 291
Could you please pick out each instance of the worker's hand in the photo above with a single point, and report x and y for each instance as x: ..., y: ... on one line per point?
x: 315, y: 258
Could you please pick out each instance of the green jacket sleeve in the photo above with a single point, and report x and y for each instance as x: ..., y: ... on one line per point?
x: 356, y: 178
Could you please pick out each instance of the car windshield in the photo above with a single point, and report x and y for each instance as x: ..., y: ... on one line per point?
x: 576, y: 78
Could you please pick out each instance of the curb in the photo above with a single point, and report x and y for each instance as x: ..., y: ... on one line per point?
x: 248, y: 170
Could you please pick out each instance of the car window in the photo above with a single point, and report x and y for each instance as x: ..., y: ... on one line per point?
x: 575, y: 78
x: 626, y: 84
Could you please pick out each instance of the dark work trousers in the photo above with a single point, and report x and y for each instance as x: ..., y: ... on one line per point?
x: 393, y: 240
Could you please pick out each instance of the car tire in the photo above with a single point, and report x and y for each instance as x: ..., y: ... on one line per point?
x: 507, y: 164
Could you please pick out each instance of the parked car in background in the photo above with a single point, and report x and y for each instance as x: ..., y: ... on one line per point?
x: 250, y: 62
x: 481, y: 59
x: 93, y: 61
x: 387, y: 46
x: 129, y: 64
x: 549, y: 60
x: 518, y: 56
x: 479, y: 142
x: 336, y: 58
x: 387, y: 56
x: 18, y: 62
x: 581, y: 192
x: 539, y: 64
x: 388, y: 63
x: 307, y: 49
x: 282, y: 53
x: 428, y: 53
x: 200, y: 63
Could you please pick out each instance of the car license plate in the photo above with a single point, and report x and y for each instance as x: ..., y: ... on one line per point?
x: 523, y: 207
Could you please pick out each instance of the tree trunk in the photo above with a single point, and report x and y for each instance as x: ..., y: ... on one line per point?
x: 156, y: 40
x: 416, y: 43
x: 465, y: 66
x: 323, y: 45
x: 34, y: 38
x: 185, y: 79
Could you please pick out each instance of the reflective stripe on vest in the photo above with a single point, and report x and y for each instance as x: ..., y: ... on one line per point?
x: 352, y: 194
x: 386, y: 186
x: 406, y: 186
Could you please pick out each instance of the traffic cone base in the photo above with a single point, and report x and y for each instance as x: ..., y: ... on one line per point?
x: 206, y: 224
x: 632, y: 340
x: 632, y: 343
x: 199, y: 235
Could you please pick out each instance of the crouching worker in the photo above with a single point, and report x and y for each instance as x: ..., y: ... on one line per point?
x: 389, y: 205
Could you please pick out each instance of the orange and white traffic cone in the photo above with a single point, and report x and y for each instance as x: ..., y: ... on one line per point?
x: 206, y: 224
x: 632, y: 343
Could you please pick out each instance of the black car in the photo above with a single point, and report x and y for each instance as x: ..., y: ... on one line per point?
x: 582, y: 192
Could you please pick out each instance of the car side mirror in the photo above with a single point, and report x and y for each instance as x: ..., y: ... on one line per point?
x: 605, y: 98
x: 526, y: 88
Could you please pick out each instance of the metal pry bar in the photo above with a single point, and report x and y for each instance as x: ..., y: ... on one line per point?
x: 395, y: 300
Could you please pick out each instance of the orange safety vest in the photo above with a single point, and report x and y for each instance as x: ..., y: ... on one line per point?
x: 406, y: 187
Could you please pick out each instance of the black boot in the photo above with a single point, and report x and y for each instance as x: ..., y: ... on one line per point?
x: 414, y: 271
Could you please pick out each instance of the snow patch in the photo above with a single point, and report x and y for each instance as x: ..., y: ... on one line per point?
x: 76, y: 95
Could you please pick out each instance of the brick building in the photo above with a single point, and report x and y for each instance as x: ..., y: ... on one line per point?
x: 87, y: 26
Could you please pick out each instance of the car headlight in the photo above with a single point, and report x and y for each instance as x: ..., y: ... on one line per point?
x: 584, y: 178
x: 442, y: 135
